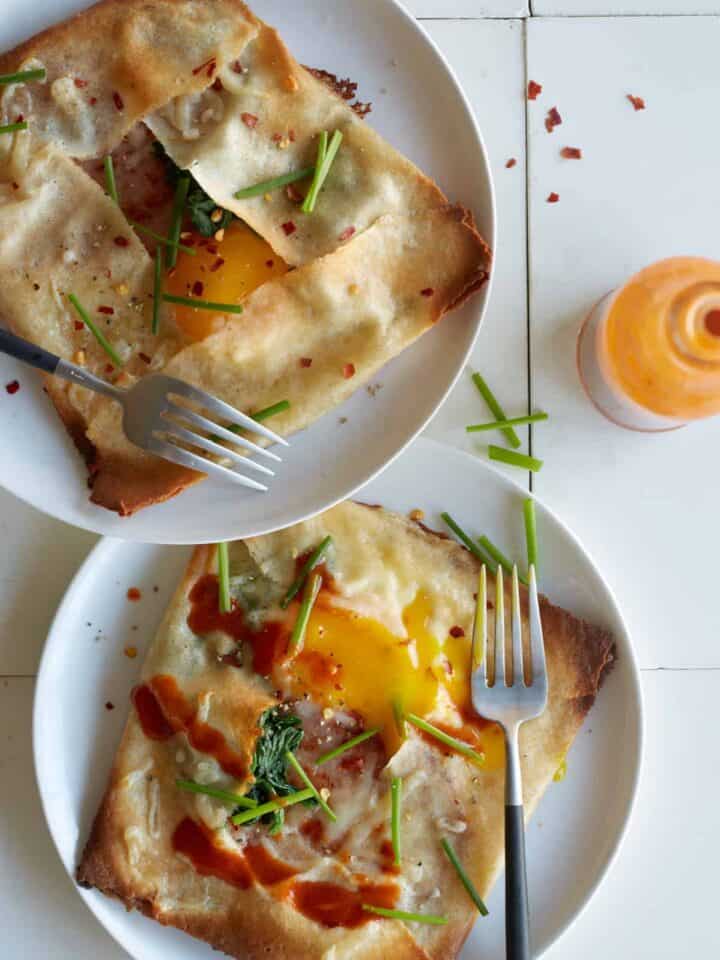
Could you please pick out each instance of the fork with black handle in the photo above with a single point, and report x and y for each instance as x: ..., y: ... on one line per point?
x: 154, y: 421
x: 509, y: 694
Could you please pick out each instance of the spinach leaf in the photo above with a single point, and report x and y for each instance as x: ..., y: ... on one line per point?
x: 200, y: 205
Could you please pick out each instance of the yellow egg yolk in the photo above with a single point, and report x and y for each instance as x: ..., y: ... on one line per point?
x: 224, y: 271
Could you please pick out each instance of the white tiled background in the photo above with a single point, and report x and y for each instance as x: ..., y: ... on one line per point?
x: 646, y: 507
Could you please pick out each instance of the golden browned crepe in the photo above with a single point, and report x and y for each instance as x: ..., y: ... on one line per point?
x: 392, y: 621
x: 382, y: 258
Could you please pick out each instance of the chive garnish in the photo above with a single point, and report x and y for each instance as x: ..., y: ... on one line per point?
x: 271, y: 806
x: 196, y: 302
x: 260, y: 189
x: 110, y: 185
x: 158, y: 238
x: 479, y: 632
x: 395, y: 799
x: 473, y: 547
x: 178, y: 208
x: 96, y: 332
x: 322, y: 147
x: 270, y: 411
x: 321, y: 170
x: 464, y: 878
x: 445, y: 738
x: 409, y: 917
x: 295, y: 764
x: 513, y: 458
x: 348, y: 745
x: 499, y: 557
x: 312, y: 561
x: 223, y: 565
x: 22, y: 76
x: 495, y: 408
x: 225, y: 795
x: 399, y: 718
x: 504, y: 424
x: 13, y: 127
x: 310, y: 593
x: 157, y: 289
x: 531, y: 533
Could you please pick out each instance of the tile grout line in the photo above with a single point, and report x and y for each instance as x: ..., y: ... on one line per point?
x: 527, y: 249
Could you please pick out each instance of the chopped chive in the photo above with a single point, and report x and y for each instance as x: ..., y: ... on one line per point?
x: 495, y: 408
x: 225, y: 795
x: 473, y: 547
x: 297, y: 637
x: 259, y: 189
x: 96, y: 332
x: 178, y: 208
x: 110, y: 184
x: 479, y: 633
x: 503, y: 424
x: 498, y: 556
x: 201, y: 304
x: 395, y: 800
x: 271, y: 806
x: 159, y: 238
x: 22, y: 76
x: 322, y: 147
x: 513, y: 458
x: 270, y: 411
x: 399, y: 718
x: 430, y: 918
x: 223, y: 565
x: 445, y: 738
x: 464, y: 878
x: 531, y: 533
x: 312, y: 561
x: 348, y: 745
x: 322, y: 169
x: 12, y: 127
x: 295, y: 764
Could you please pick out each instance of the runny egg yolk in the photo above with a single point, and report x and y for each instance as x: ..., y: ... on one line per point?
x: 353, y: 662
x: 224, y: 271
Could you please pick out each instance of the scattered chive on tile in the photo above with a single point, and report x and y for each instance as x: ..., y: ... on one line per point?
x: 531, y: 533
x: 271, y: 411
x: 395, y: 801
x: 311, y: 562
x: 445, y: 738
x: 429, y: 918
x: 322, y: 169
x: 223, y: 565
x: 110, y: 184
x: 225, y: 795
x: 498, y: 556
x: 96, y: 332
x: 158, y: 238
x: 503, y: 424
x: 495, y: 408
x: 514, y: 459
x: 310, y: 593
x: 178, y: 208
x: 267, y: 186
x: 473, y: 547
x: 348, y: 745
x: 464, y: 878
x: 22, y: 76
x: 271, y: 806
x: 14, y: 127
x: 200, y: 304
x: 297, y: 767
x: 157, y: 289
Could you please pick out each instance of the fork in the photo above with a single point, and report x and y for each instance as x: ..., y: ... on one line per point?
x: 510, y: 705
x: 150, y: 415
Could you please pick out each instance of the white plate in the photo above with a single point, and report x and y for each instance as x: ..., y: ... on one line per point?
x: 419, y: 107
x: 580, y: 822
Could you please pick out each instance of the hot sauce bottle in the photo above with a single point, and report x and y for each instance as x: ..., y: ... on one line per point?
x: 649, y: 352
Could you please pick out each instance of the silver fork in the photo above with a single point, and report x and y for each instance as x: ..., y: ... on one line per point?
x: 510, y: 704
x: 151, y: 415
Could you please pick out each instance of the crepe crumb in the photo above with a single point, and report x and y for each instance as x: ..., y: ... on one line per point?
x: 353, y: 289
x: 130, y: 652
x: 328, y: 713
x: 267, y: 197
x: 216, y: 215
x: 121, y: 289
x: 292, y: 83
x: 417, y: 514
x: 325, y: 794
x: 79, y: 358
x: 219, y: 235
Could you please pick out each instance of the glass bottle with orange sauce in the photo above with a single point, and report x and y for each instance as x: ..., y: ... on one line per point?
x: 649, y: 352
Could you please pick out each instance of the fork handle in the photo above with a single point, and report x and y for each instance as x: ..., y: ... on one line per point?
x: 517, y: 920
x: 28, y: 352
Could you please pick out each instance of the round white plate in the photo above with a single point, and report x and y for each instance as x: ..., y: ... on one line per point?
x: 419, y: 107
x: 580, y: 821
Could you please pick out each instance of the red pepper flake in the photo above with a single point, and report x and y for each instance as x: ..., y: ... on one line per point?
x: 197, y: 288
x: 218, y: 85
x: 457, y: 632
x: 510, y: 163
x: 118, y: 100
x: 289, y: 228
x: 211, y: 68
x: 276, y: 137
x: 79, y: 325
x: 349, y: 370
x: 553, y: 197
x: 346, y: 234
x: 19, y: 118
x: 121, y: 242
x: 202, y: 66
x: 145, y: 358
x: 12, y: 387
x: 216, y: 266
x: 80, y: 83
x: 92, y: 101
x: 237, y: 67
x: 552, y: 120
x: 109, y: 705
x: 533, y: 90
x: 109, y: 368
x: 293, y: 194
x: 269, y: 264
x: 427, y: 292
x: 249, y: 119
x: 15, y: 185
x: 571, y: 153
x: 305, y: 361
x: 211, y: 247
x: 108, y: 310
x: 637, y: 102
x: 133, y: 594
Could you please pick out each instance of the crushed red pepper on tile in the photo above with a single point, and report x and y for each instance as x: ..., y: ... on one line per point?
x: 12, y: 387
x: 637, y: 102
x: 571, y: 153
x: 533, y: 90
x: 553, y: 197
x: 510, y: 163
x: 552, y: 120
